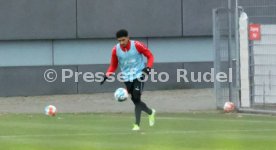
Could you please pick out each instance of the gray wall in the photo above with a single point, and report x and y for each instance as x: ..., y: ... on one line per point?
x: 27, y: 81
x: 25, y: 53
x: 197, y: 16
x: 67, y: 26
x: 23, y: 63
x: 37, y: 19
x: 98, y: 51
x: 71, y: 19
x: 143, y: 18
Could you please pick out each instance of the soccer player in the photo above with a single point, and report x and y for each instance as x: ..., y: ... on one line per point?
x: 128, y: 54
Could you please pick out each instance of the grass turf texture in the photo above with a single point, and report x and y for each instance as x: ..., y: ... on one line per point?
x: 205, y: 131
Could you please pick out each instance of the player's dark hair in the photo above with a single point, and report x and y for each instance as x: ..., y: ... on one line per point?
x: 122, y: 33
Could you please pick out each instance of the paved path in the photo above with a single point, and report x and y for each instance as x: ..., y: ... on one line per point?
x: 162, y: 101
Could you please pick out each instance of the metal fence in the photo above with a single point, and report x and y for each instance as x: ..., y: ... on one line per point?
x: 261, y: 53
x: 225, y: 43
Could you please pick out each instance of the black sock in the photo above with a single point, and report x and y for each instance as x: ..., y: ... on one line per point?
x: 145, y: 108
x: 139, y: 107
x: 138, y: 111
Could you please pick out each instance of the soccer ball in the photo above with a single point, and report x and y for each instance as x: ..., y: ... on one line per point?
x: 229, y: 107
x: 50, y: 110
x: 121, y: 94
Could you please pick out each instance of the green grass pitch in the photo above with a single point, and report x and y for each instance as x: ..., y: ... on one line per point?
x: 85, y: 131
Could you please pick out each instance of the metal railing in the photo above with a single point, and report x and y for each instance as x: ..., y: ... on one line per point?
x: 262, y: 53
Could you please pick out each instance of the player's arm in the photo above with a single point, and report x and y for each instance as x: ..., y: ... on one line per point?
x: 141, y: 48
x: 113, y: 65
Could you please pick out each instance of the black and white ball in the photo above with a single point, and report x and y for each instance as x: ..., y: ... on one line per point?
x: 121, y: 94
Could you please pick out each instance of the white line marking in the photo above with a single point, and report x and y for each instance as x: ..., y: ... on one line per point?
x: 202, y: 119
x: 223, y: 119
x: 131, y: 132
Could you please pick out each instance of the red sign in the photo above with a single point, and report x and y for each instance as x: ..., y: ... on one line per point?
x: 254, y: 32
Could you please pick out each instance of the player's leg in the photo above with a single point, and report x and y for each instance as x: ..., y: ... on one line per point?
x: 135, y: 88
x: 137, y: 92
x: 135, y: 97
x: 129, y: 86
x: 141, y: 106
